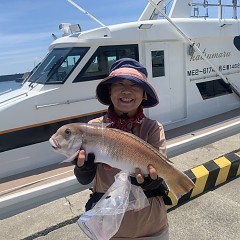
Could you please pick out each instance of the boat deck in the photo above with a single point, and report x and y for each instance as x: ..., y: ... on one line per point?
x: 45, y: 175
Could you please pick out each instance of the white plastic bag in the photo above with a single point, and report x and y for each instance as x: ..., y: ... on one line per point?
x: 104, y: 219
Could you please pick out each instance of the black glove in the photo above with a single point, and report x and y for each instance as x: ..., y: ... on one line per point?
x: 148, y: 184
x: 88, y: 164
x: 86, y: 173
x: 153, y: 188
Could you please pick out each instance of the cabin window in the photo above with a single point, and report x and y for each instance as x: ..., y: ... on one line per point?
x: 158, y: 68
x: 99, y: 64
x: 213, y: 88
x: 58, y: 65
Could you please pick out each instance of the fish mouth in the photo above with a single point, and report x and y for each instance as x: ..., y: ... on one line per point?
x: 54, y: 144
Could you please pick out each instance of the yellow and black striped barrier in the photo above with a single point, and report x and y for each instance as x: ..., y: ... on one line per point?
x: 210, y: 175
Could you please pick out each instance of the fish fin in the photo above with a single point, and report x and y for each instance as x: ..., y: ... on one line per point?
x: 70, y: 159
x: 165, y: 158
x: 98, y: 124
x: 180, y: 184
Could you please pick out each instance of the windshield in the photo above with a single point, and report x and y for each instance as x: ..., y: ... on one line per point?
x: 58, y: 65
x: 101, y: 61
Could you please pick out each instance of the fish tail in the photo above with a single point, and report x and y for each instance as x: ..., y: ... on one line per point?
x: 180, y: 184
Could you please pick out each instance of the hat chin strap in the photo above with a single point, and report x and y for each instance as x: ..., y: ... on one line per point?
x: 144, y: 95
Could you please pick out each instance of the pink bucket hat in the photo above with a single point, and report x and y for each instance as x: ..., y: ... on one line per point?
x: 132, y: 70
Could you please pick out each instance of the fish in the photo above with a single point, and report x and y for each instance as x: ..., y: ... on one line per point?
x: 119, y: 149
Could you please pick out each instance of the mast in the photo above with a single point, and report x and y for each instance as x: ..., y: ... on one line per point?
x: 86, y: 13
x: 150, y: 12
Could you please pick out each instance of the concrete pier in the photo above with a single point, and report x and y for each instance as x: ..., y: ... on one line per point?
x: 212, y: 214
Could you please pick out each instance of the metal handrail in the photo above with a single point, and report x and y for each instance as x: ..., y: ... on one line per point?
x: 63, y: 103
x: 196, y: 48
x: 9, y: 90
x: 205, y: 4
x: 22, y: 94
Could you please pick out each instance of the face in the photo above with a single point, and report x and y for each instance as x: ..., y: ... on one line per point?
x: 126, y: 97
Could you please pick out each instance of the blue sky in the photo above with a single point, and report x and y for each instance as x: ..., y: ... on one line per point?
x: 26, y: 25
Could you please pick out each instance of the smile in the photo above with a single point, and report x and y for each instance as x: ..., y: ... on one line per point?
x: 126, y: 100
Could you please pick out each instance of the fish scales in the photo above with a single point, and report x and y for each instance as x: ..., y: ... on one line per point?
x: 120, y: 150
x: 107, y: 142
x: 126, y: 147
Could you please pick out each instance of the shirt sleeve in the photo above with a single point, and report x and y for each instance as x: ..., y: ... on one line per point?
x: 157, y: 137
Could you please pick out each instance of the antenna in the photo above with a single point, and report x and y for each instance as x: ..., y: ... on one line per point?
x: 86, y: 13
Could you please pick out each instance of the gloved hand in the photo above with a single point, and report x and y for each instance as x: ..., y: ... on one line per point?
x: 83, y: 161
x: 152, y: 185
x: 148, y: 183
x: 86, y: 172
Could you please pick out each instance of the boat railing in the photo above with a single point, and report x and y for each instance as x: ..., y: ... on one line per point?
x: 193, y: 47
x: 7, y: 91
x: 65, y: 102
x: 14, y: 97
x: 196, y: 8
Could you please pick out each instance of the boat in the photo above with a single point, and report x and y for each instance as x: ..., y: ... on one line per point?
x: 192, y: 61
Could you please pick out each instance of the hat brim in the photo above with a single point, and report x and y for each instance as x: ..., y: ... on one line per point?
x: 102, y: 90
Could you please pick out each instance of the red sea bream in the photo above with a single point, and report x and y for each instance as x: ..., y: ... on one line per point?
x: 118, y: 149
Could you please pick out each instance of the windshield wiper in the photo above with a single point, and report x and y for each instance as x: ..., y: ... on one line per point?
x: 55, y: 66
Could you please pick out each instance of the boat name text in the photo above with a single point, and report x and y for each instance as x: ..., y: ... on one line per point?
x: 197, y: 57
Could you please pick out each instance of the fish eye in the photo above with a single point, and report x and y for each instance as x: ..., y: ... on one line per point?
x: 68, y: 131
